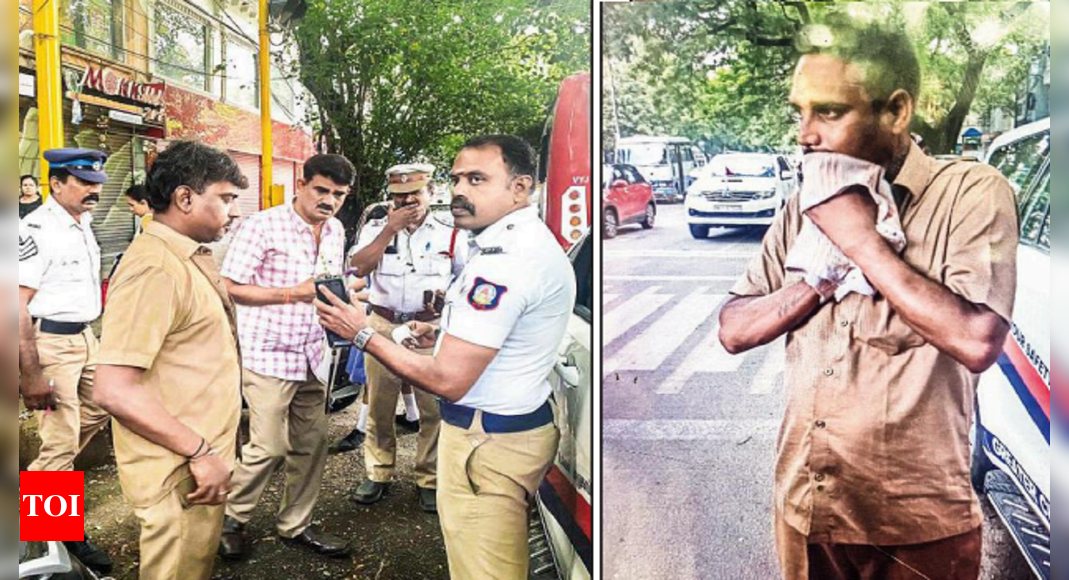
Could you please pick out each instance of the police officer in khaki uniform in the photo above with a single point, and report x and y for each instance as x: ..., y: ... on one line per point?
x: 409, y: 258
x: 59, y: 296
x: 505, y: 317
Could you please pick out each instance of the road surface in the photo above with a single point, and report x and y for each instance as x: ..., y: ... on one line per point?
x: 688, y: 430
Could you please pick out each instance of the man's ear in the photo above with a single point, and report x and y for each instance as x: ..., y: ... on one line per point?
x: 900, y: 108
x: 521, y: 188
x: 183, y: 199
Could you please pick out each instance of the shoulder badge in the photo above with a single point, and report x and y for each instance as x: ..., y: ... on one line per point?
x: 486, y: 295
x: 27, y: 248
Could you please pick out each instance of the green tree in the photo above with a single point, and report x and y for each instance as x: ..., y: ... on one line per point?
x: 395, y: 80
x: 719, y: 72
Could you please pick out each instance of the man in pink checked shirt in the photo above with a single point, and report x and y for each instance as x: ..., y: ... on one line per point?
x: 270, y: 270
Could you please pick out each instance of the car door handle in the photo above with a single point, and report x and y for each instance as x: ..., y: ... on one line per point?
x: 568, y: 371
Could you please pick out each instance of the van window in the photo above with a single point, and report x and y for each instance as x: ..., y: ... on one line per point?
x: 688, y: 156
x: 1020, y: 161
x: 1035, y: 221
x: 583, y: 263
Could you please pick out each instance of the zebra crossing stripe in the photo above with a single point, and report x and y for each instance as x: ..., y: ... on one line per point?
x: 708, y: 357
x: 649, y: 350
x: 620, y: 319
x: 767, y: 378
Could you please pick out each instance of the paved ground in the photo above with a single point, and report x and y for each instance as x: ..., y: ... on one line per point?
x: 393, y: 540
x: 688, y: 430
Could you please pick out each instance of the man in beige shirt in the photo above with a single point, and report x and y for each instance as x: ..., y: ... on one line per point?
x: 872, y: 476
x: 169, y: 367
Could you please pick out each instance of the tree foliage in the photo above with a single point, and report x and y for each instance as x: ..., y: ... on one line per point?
x: 718, y: 72
x: 395, y: 80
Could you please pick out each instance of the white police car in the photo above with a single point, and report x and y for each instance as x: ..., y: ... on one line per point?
x: 562, y: 545
x: 1011, y: 462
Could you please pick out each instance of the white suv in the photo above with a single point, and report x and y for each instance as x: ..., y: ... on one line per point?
x: 1011, y: 461
x: 739, y: 189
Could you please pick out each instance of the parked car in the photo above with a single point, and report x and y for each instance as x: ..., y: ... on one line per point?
x: 1011, y: 449
x: 739, y: 189
x: 664, y: 161
x: 562, y: 545
x: 627, y: 198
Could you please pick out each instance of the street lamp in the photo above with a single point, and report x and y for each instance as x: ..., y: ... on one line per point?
x: 286, y: 13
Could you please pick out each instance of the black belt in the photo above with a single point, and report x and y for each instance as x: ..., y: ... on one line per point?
x: 63, y: 328
x: 402, y: 318
x: 463, y: 417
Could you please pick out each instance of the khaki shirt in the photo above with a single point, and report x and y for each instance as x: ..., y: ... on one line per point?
x: 169, y: 314
x: 874, y: 447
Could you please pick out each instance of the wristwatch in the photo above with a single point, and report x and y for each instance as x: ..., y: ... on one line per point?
x: 364, y: 337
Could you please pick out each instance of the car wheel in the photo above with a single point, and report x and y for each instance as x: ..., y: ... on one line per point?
x: 611, y: 227
x: 981, y: 463
x: 699, y: 232
x: 651, y: 217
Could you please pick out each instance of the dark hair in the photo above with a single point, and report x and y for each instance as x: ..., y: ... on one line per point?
x: 59, y: 173
x: 192, y: 164
x: 885, y: 54
x: 334, y: 167
x: 520, y: 157
x: 137, y: 193
x: 27, y: 176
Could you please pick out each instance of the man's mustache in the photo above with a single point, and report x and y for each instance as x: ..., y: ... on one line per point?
x: 462, y: 203
x: 91, y: 198
x: 325, y: 207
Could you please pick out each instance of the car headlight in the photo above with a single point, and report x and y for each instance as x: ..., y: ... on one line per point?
x: 765, y: 194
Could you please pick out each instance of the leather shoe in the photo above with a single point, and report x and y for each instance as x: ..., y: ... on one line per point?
x: 406, y: 425
x: 370, y: 492
x: 232, y: 545
x: 90, y: 555
x: 350, y: 442
x: 321, y: 543
x: 428, y: 500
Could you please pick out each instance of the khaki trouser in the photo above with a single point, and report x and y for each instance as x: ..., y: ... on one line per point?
x: 487, y: 483
x: 179, y: 543
x: 70, y: 363
x: 956, y: 558
x: 288, y: 429
x: 380, y: 447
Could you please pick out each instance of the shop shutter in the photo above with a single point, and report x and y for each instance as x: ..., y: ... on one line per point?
x: 113, y: 224
x: 249, y: 200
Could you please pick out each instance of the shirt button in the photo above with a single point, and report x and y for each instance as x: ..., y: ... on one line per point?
x: 820, y: 488
x: 819, y: 477
x: 821, y: 424
x: 828, y: 372
x: 844, y: 323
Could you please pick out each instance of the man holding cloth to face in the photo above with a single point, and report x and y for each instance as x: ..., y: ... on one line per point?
x: 504, y: 319
x: 872, y: 478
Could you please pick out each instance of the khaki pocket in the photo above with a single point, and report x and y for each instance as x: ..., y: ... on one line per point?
x: 882, y: 328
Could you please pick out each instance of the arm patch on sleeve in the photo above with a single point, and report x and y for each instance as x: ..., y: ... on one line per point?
x: 27, y: 248
x: 486, y: 295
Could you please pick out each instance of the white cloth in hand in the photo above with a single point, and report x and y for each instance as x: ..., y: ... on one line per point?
x: 827, y: 175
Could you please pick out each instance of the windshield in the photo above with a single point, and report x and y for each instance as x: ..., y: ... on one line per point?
x: 643, y: 155
x: 742, y: 166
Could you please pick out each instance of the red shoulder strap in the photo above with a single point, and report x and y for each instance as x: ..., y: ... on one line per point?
x: 453, y: 243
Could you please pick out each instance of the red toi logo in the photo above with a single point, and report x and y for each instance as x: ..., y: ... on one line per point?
x: 52, y: 507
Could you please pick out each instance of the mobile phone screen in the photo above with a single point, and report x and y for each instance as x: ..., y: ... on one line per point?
x: 335, y: 286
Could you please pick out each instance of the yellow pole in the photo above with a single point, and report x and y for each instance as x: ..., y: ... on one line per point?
x: 265, y: 107
x: 49, y: 81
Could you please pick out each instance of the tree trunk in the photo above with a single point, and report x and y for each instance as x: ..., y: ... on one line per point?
x: 951, y: 126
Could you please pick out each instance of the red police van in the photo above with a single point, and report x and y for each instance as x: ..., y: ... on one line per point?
x: 565, y: 165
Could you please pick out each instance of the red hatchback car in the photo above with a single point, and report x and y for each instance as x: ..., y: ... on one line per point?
x: 628, y: 199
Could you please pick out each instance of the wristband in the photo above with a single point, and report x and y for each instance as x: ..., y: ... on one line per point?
x: 196, y: 454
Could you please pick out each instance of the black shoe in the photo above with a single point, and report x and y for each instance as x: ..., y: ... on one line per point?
x: 370, y: 492
x: 232, y: 545
x: 350, y: 442
x: 320, y: 543
x: 405, y: 424
x: 90, y: 555
x: 428, y: 500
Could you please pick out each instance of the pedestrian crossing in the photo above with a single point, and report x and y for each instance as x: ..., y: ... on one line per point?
x: 662, y: 328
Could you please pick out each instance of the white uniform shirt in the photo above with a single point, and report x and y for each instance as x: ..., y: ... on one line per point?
x: 515, y: 295
x: 423, y: 262
x: 60, y: 259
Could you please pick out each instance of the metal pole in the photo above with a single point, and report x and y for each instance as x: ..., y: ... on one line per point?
x: 267, y: 179
x: 49, y: 81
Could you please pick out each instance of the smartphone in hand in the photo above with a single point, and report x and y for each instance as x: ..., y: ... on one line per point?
x: 335, y: 286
